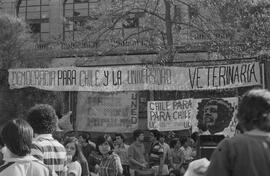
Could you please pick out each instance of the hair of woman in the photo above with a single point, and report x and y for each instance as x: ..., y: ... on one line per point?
x: 78, y: 156
x: 17, y: 135
x: 101, y: 140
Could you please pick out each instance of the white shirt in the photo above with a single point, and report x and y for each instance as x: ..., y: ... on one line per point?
x: 25, y: 166
x: 75, y: 168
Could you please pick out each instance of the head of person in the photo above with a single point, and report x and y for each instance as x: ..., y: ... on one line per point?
x: 42, y: 118
x: 162, y: 138
x: 73, y: 148
x: 83, y: 138
x: 154, y: 135
x: 175, y: 143
x: 138, y: 135
x: 104, y: 146
x: 214, y: 114
x: 184, y: 141
x: 119, y: 138
x: 108, y: 137
x: 254, y: 110
x: 17, y: 136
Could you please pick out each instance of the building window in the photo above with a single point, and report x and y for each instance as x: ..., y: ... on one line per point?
x: 36, y: 14
x: 35, y: 27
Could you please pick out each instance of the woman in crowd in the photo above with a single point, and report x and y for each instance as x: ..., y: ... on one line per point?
x: 249, y: 153
x: 17, y: 136
x: 76, y: 162
x: 110, y: 164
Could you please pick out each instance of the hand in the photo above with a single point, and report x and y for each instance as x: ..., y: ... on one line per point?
x: 144, y: 165
x: 96, y: 168
x: 69, y: 158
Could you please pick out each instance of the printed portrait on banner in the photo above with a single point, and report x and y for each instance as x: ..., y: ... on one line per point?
x: 217, y: 115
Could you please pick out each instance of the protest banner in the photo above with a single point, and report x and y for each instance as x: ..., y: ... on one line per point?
x: 216, y: 115
x: 170, y: 115
x: 137, y: 78
x: 209, y: 115
x: 107, y: 112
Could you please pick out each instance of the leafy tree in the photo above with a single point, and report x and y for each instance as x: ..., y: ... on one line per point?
x: 247, y: 24
x: 15, y: 40
x: 230, y: 27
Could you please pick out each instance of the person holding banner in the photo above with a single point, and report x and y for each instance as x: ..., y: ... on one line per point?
x: 249, y: 153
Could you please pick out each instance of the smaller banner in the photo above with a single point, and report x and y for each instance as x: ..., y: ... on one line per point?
x: 107, y: 112
x: 215, y: 116
x: 170, y: 115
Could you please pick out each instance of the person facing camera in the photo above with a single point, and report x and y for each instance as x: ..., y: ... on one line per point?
x: 248, y: 153
x: 110, y: 164
x: 76, y: 162
x: 17, y: 136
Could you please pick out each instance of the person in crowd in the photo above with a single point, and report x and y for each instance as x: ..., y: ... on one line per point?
x: 156, y: 150
x: 76, y: 162
x: 249, y: 153
x: 167, y: 157
x: 136, y: 153
x: 177, y: 154
x: 94, y: 160
x: 87, y: 148
x: 187, y: 150
x: 158, y: 154
x: 17, y: 136
x: 110, y: 164
x: 43, y: 119
x: 87, y: 145
x: 121, y: 149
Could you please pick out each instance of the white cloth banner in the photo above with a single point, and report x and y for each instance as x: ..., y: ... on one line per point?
x: 170, y: 115
x: 101, y: 112
x: 209, y: 115
x: 136, y: 78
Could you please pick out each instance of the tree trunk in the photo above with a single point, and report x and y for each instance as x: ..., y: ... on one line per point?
x: 169, y: 35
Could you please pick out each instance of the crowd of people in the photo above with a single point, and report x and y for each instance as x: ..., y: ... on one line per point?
x: 29, y: 148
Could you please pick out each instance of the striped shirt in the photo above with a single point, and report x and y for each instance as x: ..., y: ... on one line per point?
x: 50, y: 151
x: 110, y: 166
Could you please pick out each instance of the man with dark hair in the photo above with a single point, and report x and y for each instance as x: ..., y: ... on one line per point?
x: 121, y: 149
x: 155, y: 149
x: 87, y: 148
x: 17, y: 136
x: 159, y: 152
x: 249, y: 153
x: 43, y: 119
x: 136, y: 153
x: 214, y: 115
